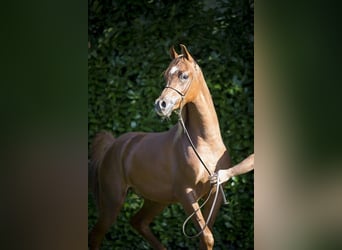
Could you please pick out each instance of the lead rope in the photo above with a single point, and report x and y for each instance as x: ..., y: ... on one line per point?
x: 218, y: 185
x: 213, y: 181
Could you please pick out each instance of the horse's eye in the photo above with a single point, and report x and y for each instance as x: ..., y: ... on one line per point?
x: 184, y: 76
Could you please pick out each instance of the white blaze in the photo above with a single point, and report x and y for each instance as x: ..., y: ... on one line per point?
x: 173, y: 70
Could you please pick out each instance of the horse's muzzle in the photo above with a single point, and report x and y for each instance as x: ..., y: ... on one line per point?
x: 163, y: 107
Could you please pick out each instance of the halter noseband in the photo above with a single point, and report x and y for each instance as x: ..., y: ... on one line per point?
x: 178, y: 92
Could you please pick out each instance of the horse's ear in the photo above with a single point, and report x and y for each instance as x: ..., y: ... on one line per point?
x: 173, y: 53
x: 186, y: 53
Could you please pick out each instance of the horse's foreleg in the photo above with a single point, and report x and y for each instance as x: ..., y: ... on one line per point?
x: 142, y: 220
x: 190, y: 205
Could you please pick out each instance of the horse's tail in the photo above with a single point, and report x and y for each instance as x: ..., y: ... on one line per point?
x: 100, y: 146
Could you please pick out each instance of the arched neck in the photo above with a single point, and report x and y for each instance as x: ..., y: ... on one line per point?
x: 200, y: 117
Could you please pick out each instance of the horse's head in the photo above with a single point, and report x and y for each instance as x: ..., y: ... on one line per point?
x: 181, y: 79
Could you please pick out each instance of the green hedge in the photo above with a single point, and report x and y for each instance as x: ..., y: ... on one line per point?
x: 129, y: 42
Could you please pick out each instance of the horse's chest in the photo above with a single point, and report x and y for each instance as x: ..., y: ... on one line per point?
x: 199, y: 162
x: 203, y: 155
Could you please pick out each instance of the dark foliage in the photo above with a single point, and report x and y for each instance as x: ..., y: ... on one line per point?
x: 128, y: 52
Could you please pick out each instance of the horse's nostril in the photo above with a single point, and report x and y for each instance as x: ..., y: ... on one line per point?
x: 163, y: 104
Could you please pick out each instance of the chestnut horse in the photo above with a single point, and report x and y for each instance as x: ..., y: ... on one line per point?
x: 163, y: 167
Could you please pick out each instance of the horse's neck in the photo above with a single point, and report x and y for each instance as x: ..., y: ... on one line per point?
x: 200, y: 117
